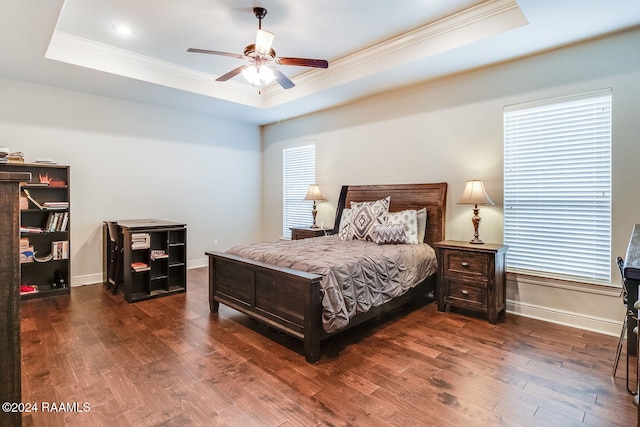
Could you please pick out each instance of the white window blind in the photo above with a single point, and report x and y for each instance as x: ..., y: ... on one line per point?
x: 299, y: 171
x: 557, y: 186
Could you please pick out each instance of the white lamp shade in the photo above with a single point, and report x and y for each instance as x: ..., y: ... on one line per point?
x: 314, y: 193
x: 475, y: 194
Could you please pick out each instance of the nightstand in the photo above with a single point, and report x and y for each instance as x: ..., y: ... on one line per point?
x: 472, y: 277
x: 305, y: 233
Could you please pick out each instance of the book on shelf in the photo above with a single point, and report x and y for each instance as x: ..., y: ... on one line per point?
x: 158, y: 254
x: 140, y: 266
x: 45, y: 205
x: 26, y: 254
x: 28, y: 289
x: 56, y: 205
x: 28, y: 229
x: 45, y: 160
x: 60, y: 249
x: 140, y: 240
x: 57, y: 221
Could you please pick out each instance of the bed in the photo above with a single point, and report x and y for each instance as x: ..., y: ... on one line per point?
x: 291, y: 300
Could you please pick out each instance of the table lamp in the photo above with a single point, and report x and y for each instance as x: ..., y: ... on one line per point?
x: 315, y: 195
x: 475, y: 194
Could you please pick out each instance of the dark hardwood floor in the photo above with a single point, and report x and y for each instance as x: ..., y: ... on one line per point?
x: 169, y: 362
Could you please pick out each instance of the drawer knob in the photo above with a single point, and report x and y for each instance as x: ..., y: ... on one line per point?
x: 465, y: 264
x: 464, y: 292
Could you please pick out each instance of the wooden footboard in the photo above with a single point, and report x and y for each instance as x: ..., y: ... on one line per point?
x: 286, y: 299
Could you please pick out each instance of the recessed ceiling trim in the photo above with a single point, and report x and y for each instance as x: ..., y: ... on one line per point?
x: 470, y: 25
x: 475, y: 23
x: 76, y: 50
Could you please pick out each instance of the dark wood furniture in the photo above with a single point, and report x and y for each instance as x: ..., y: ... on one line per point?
x: 631, y: 275
x: 165, y: 257
x: 290, y: 300
x: 52, y: 277
x: 10, y: 383
x: 306, y: 233
x: 472, y: 276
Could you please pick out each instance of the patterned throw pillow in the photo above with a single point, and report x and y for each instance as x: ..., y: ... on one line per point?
x: 364, y: 215
x: 345, y: 224
x: 408, y: 219
x: 384, y: 234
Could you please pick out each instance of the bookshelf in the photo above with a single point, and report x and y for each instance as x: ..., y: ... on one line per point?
x: 45, y: 262
x: 153, y: 260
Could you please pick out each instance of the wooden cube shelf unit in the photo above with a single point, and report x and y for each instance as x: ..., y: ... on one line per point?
x: 153, y: 258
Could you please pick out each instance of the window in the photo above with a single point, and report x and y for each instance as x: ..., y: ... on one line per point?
x: 557, y: 186
x: 299, y: 171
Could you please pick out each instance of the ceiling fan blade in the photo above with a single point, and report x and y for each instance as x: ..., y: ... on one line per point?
x: 304, y: 62
x: 231, y: 73
x: 215, y: 52
x: 282, y: 79
x: 264, y: 41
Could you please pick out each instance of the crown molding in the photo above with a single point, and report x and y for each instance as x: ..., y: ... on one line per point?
x: 475, y: 23
x: 69, y: 48
x: 486, y: 19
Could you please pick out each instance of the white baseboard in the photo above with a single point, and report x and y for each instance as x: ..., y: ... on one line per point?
x: 197, y: 263
x: 567, y: 318
x: 87, y: 279
x: 561, y: 317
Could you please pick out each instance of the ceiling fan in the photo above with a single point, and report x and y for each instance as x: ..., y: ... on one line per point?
x: 262, y: 57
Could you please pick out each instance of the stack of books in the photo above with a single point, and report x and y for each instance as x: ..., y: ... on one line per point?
x: 56, y: 205
x: 57, y: 221
x: 140, y: 241
x: 158, y: 254
x: 140, y: 266
x: 16, y: 157
x: 60, y: 250
x: 45, y: 205
x: 26, y: 251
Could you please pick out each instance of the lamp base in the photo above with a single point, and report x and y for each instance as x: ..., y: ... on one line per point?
x: 476, y: 241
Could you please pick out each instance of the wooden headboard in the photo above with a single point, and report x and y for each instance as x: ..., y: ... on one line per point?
x: 433, y: 197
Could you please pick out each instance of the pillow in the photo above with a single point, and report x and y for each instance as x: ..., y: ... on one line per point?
x: 345, y: 224
x: 385, y: 234
x: 408, y: 219
x: 364, y: 215
x: 422, y: 224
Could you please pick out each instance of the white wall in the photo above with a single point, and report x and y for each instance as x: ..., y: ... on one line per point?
x: 451, y: 130
x: 132, y: 161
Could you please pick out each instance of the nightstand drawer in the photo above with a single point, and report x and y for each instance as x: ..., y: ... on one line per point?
x: 464, y: 263
x: 461, y: 293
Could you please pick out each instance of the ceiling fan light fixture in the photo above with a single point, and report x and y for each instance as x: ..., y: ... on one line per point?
x: 264, y: 41
x: 258, y: 76
x: 266, y: 74
x: 251, y: 74
x: 262, y: 59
